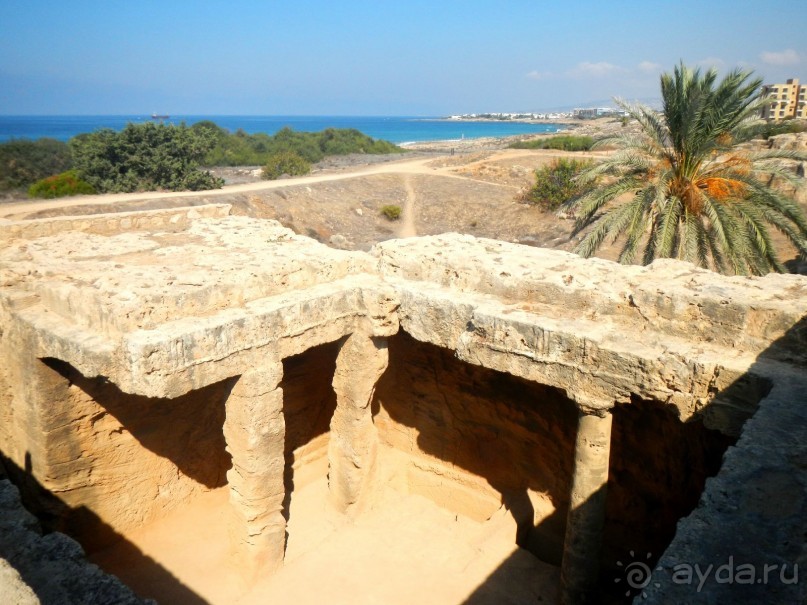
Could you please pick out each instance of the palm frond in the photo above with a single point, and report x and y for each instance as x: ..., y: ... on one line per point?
x: 758, y: 237
x: 774, y: 177
x: 727, y: 231
x: 778, y: 154
x: 652, y: 126
x: 769, y: 197
x: 611, y: 225
x: 780, y: 223
x: 714, y: 249
x: 618, y: 164
x: 587, y: 205
x: 670, y: 216
x: 696, y: 250
x: 646, y: 202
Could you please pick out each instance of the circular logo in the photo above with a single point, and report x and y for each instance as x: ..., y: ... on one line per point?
x: 636, y: 574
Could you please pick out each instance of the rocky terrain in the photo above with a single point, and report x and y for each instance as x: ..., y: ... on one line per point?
x: 220, y: 410
x: 49, y: 569
x: 469, y: 186
x: 473, y: 192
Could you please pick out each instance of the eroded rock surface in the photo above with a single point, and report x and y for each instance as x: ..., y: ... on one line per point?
x: 147, y: 355
x: 49, y: 569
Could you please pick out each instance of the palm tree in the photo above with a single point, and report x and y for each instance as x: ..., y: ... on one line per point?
x: 697, y: 196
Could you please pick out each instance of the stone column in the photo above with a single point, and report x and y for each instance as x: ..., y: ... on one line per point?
x: 254, y: 430
x: 354, y: 442
x: 586, y: 517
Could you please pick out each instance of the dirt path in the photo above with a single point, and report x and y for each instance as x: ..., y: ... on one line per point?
x: 13, y: 210
x: 409, y: 167
x: 474, y: 193
x: 408, y: 219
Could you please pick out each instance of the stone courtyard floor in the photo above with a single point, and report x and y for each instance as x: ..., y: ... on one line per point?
x: 405, y: 550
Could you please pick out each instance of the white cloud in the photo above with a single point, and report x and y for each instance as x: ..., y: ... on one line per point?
x: 710, y: 62
x: 595, y: 70
x: 649, y: 67
x: 539, y: 75
x: 786, y: 57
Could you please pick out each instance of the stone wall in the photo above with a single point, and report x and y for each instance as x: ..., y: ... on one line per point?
x: 658, y: 469
x: 309, y: 402
x: 171, y: 219
x: 112, y: 461
x: 473, y: 439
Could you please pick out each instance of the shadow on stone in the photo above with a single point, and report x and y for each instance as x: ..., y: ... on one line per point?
x: 517, y: 436
x: 57, y: 570
x: 187, y: 430
x: 758, y: 504
x: 309, y: 402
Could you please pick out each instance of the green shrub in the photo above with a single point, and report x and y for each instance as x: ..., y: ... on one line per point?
x: 285, y: 162
x: 60, y: 185
x: 563, y: 142
x: 391, y: 212
x: 242, y: 149
x: 555, y: 184
x: 23, y: 162
x: 209, y: 128
x: 333, y: 141
x: 144, y: 157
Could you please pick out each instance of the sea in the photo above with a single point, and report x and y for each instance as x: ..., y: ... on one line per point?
x: 397, y: 129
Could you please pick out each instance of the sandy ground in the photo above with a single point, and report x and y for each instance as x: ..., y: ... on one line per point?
x: 470, y: 192
x: 469, y: 186
x: 405, y: 550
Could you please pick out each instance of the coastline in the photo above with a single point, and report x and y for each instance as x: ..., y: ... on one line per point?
x: 466, y: 145
x: 396, y: 129
x: 593, y: 128
x: 564, y: 122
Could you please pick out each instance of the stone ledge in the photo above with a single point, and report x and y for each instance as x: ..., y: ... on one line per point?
x: 172, y: 219
x: 115, y: 284
x: 668, y: 297
x: 595, y: 362
x: 193, y: 352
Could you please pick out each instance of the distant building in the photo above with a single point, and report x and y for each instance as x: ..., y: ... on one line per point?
x: 584, y: 113
x: 784, y: 100
x: 588, y: 113
x: 513, y: 116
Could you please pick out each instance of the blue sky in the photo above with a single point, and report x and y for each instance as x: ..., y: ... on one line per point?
x: 374, y: 58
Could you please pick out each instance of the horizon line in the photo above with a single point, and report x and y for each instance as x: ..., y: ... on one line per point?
x: 234, y: 115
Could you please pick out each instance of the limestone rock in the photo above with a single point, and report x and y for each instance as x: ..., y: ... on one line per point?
x: 126, y: 337
x: 50, y: 569
x: 789, y: 141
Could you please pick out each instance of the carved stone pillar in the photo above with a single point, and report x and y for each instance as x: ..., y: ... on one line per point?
x: 354, y: 442
x: 584, y: 524
x: 254, y: 430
